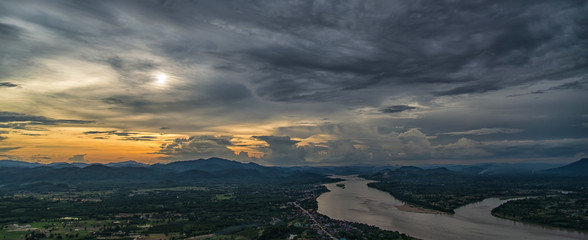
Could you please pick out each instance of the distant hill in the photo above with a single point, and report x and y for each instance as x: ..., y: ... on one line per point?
x: 578, y: 168
x: 66, y: 165
x: 411, y: 172
x: 127, y: 164
x: 224, y: 167
x: 20, y: 176
x: 211, y: 164
x: 472, y: 170
x: 409, y: 169
x: 18, y: 164
x: 502, y: 168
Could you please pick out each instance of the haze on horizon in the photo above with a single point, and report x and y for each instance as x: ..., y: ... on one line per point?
x: 294, y: 83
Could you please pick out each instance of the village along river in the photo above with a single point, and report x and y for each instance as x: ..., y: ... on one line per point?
x: 359, y: 203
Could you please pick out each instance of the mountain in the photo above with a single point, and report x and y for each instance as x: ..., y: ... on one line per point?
x: 60, y: 165
x: 225, y: 168
x: 18, y: 164
x: 502, y: 168
x: 409, y: 169
x: 210, y: 165
x: 127, y: 164
x: 68, y: 165
x: 578, y: 168
x: 472, y: 170
x: 416, y: 174
x: 401, y: 172
x: 22, y: 176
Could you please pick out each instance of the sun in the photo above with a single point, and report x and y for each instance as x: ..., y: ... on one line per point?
x: 161, y: 78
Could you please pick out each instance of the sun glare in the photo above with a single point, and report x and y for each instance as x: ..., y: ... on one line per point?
x: 161, y: 78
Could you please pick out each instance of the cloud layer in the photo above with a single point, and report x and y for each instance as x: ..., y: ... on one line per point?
x: 297, y: 82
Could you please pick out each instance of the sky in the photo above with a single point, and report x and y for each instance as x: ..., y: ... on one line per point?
x: 294, y: 82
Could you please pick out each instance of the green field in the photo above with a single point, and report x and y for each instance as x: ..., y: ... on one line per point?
x: 213, y: 211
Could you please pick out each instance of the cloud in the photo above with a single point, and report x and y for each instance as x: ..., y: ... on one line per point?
x: 9, y: 32
x: 463, y: 148
x: 113, y: 100
x: 197, y: 147
x: 8, y: 84
x: 111, y: 132
x: 7, y: 149
x: 549, y: 148
x: 2, y: 138
x: 415, y: 144
x: 140, y: 138
x: 39, y: 158
x: 99, y: 132
x: 314, y: 82
x: 33, y: 134
x: 11, y: 157
x: 396, y: 109
x: 576, y: 85
x: 36, y: 120
x: 486, y: 131
x: 282, y: 150
x: 466, y: 49
x: 78, y: 158
x: 469, y: 89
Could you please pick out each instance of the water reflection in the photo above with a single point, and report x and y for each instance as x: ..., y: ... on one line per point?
x: 357, y: 202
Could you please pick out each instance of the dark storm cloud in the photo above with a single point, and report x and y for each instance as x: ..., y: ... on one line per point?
x: 461, y: 47
x: 310, y: 51
x: 10, y: 117
x: 576, y: 85
x: 9, y: 32
x: 226, y: 92
x: 397, y: 78
x: 8, y: 84
x: 218, y: 97
x: 96, y: 13
x: 396, y: 109
x: 562, y: 148
x: 473, y: 88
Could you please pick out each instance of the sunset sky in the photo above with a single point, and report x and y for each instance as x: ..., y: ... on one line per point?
x: 294, y: 82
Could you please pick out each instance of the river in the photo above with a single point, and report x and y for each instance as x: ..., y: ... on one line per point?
x: 359, y: 203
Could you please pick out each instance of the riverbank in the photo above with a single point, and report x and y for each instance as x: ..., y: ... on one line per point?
x: 562, y: 211
x: 360, y: 203
x: 416, y: 209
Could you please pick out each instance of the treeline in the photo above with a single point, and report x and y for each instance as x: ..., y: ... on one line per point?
x: 565, y: 210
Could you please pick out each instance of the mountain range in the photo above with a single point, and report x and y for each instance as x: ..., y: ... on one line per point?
x: 17, y: 173
x: 578, y: 168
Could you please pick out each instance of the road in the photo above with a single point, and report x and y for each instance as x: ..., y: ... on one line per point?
x: 315, y: 221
